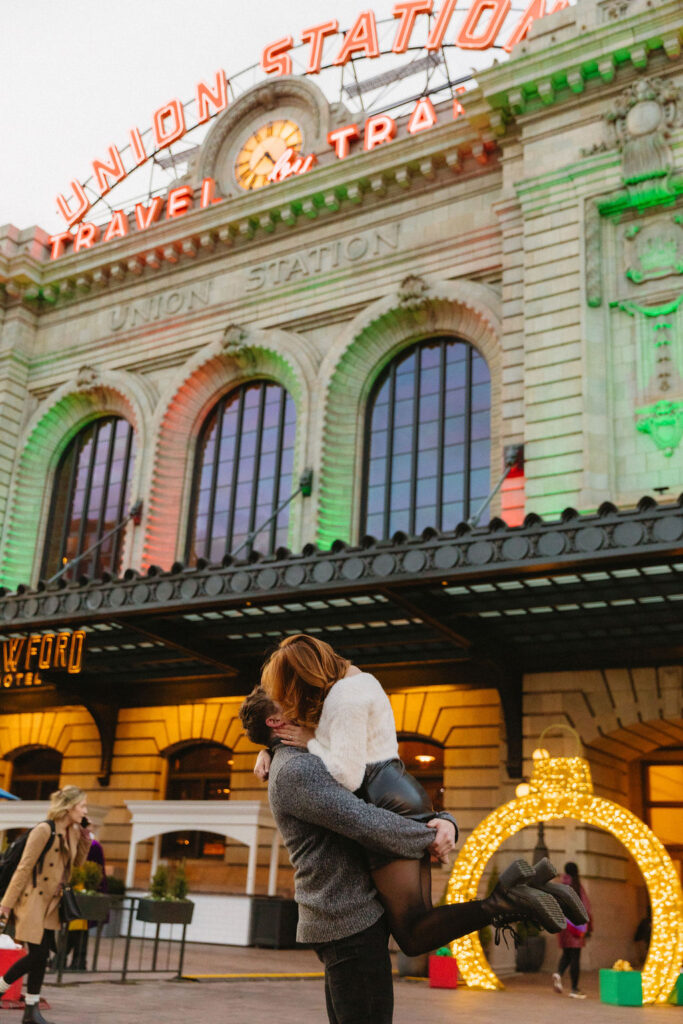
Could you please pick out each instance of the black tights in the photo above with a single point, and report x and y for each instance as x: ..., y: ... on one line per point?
x: 405, y: 889
x: 570, y: 959
x: 33, y: 964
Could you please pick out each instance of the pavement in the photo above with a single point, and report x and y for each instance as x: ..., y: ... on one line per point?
x: 235, y: 985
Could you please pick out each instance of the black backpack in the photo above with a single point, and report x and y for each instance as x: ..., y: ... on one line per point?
x: 9, y: 862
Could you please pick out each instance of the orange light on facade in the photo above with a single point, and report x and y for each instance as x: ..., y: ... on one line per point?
x: 425, y: 758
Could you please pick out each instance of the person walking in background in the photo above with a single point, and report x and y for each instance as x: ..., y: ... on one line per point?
x: 573, y: 938
x: 32, y: 898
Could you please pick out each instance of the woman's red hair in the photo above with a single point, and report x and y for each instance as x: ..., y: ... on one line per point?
x: 298, y: 675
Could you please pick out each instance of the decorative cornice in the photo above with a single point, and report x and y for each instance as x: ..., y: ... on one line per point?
x: 573, y: 543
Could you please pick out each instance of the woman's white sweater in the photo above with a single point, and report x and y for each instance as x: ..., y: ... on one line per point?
x: 356, y: 728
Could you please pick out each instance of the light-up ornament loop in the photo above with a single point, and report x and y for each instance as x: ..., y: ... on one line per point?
x: 561, y: 787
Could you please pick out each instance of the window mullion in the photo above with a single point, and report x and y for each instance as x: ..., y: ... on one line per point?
x: 68, y: 512
x: 390, y: 449
x: 468, y: 433
x: 278, y: 467
x: 415, y: 441
x: 118, y: 536
x: 214, y: 477
x: 86, y: 495
x: 257, y: 462
x: 105, y: 493
x: 235, y: 469
x: 440, y: 467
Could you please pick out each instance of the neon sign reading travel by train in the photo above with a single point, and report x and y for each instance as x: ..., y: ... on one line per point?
x: 482, y: 25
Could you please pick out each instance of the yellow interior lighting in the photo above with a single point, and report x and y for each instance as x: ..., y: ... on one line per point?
x: 561, y: 787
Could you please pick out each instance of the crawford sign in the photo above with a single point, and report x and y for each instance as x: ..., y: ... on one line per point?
x: 480, y: 29
x: 24, y: 658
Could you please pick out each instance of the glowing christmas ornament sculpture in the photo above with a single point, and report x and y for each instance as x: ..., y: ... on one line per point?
x: 561, y: 787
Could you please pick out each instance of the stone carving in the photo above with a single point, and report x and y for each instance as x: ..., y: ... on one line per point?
x: 593, y: 236
x: 413, y: 290
x: 656, y: 249
x: 235, y: 345
x: 663, y: 421
x: 642, y: 121
x: 87, y: 377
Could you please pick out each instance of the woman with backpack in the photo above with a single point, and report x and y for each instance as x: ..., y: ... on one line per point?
x: 32, y: 897
x: 573, y: 938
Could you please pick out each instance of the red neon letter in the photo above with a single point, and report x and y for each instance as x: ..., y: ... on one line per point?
x: 423, y: 116
x: 275, y: 60
x: 536, y: 9
x: 57, y: 242
x: 219, y: 98
x: 439, y: 31
x: 315, y: 37
x: 341, y: 137
x: 380, y: 128
x: 86, y: 236
x: 137, y: 146
x: 362, y: 36
x: 146, y: 215
x: 83, y: 205
x: 208, y: 193
x: 103, y: 172
x: 458, y: 109
x: 165, y: 136
x: 468, y: 38
x: 117, y: 226
x: 407, y: 11
x: 179, y: 201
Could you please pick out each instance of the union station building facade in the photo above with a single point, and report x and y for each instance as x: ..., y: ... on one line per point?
x: 490, y: 308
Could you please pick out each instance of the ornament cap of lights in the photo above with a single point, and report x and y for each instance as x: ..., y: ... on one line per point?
x: 561, y: 787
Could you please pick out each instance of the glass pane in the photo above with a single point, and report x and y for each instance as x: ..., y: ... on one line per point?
x: 666, y: 782
x: 667, y: 824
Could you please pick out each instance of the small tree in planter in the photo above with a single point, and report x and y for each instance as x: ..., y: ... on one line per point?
x: 167, y: 902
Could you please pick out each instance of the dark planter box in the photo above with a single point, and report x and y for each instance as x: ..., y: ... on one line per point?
x: 529, y: 956
x: 273, y: 922
x: 165, y: 911
x: 94, y: 906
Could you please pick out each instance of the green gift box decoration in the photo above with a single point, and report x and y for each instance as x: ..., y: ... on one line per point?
x: 621, y: 988
x: 676, y: 996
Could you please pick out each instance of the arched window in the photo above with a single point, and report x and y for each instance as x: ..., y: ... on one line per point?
x: 427, y: 453
x: 90, y: 496
x: 197, y: 771
x: 35, y: 773
x: 243, y: 471
x: 423, y: 758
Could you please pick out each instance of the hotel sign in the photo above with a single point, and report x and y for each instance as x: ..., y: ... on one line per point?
x: 25, y: 658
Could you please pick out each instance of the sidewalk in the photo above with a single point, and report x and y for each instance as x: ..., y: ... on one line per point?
x: 248, y: 995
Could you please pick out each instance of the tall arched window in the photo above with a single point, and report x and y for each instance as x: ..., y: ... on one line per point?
x: 427, y: 454
x: 90, y: 496
x: 243, y: 471
x: 198, y: 771
x: 35, y: 773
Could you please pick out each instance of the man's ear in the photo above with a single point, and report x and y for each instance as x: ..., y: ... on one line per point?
x: 270, y: 721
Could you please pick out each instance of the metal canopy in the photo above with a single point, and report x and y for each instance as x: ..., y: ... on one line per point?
x: 473, y: 607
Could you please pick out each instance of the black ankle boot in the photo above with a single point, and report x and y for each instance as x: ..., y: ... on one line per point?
x: 32, y: 1015
x: 568, y: 898
x: 513, y: 900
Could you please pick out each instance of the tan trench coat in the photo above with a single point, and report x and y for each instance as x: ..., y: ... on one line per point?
x: 37, y: 908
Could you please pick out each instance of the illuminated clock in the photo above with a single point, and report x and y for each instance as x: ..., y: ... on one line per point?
x: 263, y: 149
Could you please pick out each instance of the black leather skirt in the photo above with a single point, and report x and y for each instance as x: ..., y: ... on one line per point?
x: 387, y: 784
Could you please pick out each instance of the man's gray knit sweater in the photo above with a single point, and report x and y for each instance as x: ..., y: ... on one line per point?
x: 322, y: 824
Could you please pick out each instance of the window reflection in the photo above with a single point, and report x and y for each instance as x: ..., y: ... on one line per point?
x: 90, y: 497
x: 245, y: 459
x: 428, y: 440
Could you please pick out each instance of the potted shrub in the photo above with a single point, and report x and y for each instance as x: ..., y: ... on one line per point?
x: 167, y: 901
x: 530, y: 953
x: 116, y: 890
x: 87, y: 879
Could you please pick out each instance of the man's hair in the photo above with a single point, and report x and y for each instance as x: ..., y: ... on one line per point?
x: 256, y: 708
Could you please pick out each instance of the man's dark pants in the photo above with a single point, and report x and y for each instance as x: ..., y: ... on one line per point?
x: 358, y: 985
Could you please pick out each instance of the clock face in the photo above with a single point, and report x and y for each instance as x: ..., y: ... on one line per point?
x: 263, y: 149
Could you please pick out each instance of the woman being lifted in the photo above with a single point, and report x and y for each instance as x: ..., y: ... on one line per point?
x: 343, y: 716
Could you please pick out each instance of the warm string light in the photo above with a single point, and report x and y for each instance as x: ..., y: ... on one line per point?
x: 561, y: 787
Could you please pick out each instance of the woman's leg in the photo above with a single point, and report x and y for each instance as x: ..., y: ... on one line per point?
x: 37, y: 955
x: 574, y: 968
x: 565, y: 961
x: 415, y: 924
